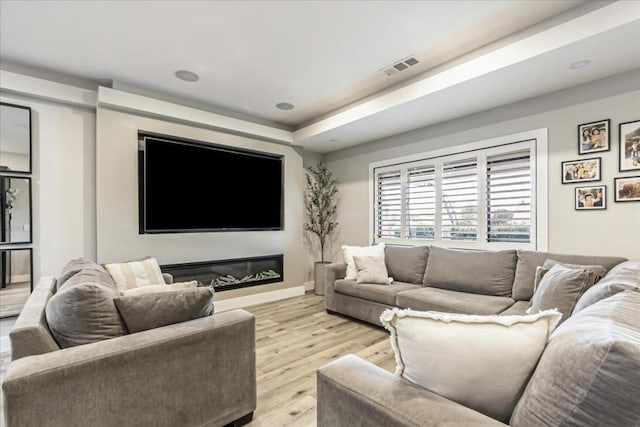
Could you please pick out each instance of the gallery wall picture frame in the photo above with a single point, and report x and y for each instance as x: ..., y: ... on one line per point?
x: 629, y: 144
x: 594, y: 137
x: 627, y: 189
x: 15, y: 139
x: 590, y: 198
x: 581, y: 170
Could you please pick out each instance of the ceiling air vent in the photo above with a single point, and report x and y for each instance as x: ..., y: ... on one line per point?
x: 401, y: 65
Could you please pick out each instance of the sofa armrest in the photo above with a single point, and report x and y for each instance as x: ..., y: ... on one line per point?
x: 354, y: 392
x: 200, y: 372
x: 168, y: 278
x: 332, y: 273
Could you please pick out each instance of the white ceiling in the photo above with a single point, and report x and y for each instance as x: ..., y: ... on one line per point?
x: 325, y: 56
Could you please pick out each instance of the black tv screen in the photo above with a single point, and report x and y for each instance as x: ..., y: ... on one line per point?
x: 192, y: 186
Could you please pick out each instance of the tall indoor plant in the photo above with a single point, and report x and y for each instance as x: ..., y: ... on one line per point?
x: 320, y: 208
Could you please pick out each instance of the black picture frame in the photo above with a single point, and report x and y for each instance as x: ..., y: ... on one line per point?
x: 582, y: 193
x: 4, y: 168
x: 585, y: 141
x: 579, y: 165
x: 625, y: 193
x: 629, y: 130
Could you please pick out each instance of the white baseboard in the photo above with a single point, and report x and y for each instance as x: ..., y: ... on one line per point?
x: 246, y: 301
x: 5, y: 344
x: 309, y: 286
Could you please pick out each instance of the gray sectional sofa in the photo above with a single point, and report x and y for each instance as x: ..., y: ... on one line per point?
x: 587, y: 376
x: 449, y: 280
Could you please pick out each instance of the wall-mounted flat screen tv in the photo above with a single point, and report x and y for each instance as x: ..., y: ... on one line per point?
x: 194, y: 186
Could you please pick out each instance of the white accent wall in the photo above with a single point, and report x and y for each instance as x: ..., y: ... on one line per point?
x: 614, y: 231
x: 117, y: 204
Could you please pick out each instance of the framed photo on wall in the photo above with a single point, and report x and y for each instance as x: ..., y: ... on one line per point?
x: 627, y: 189
x: 594, y: 137
x: 591, y: 198
x: 581, y: 170
x: 629, y: 136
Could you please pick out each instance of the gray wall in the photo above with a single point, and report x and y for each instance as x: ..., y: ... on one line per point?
x: 615, y: 231
x: 117, y: 204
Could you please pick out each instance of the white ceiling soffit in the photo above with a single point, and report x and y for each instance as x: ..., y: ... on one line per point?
x: 609, y: 37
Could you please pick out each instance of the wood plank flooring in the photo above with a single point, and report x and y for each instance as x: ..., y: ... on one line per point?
x: 294, y: 338
x: 12, y: 298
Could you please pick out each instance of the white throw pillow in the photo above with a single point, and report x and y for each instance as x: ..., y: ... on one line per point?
x: 483, y: 362
x: 371, y: 269
x: 132, y: 274
x: 350, y: 251
x: 150, y: 289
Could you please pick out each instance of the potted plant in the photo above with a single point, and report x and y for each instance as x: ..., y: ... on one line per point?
x: 320, y: 208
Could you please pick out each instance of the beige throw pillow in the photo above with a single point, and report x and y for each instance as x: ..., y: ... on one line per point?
x: 482, y: 362
x: 132, y: 274
x: 350, y: 251
x: 153, y: 310
x: 159, y: 288
x: 371, y: 269
x: 561, y: 287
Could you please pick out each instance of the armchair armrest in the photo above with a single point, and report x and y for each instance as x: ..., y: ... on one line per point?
x: 332, y: 273
x: 354, y: 392
x: 192, y: 373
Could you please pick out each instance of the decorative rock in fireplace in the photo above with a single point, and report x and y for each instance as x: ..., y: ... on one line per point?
x: 228, y: 274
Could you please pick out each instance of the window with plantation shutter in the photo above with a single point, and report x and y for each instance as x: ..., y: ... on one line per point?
x: 460, y: 200
x: 389, y: 204
x: 420, y: 203
x: 483, y: 198
x: 509, y: 197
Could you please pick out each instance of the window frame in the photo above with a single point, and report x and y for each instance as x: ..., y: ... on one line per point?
x: 535, y: 140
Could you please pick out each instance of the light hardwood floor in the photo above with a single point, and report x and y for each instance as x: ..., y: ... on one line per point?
x: 12, y: 299
x: 294, y: 338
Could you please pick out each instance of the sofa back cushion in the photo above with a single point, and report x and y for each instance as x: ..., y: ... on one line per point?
x: 589, y: 373
x: 528, y: 261
x: 479, y: 272
x: 30, y: 334
x: 83, y: 310
x: 406, y: 263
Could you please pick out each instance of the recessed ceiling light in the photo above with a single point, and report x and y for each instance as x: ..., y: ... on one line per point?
x: 187, y: 76
x: 580, y: 64
x: 284, y: 106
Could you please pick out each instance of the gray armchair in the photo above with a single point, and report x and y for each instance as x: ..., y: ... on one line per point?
x: 195, y: 373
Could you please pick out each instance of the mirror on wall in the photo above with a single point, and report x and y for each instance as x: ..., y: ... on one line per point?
x: 15, y: 138
x: 15, y: 209
x: 15, y: 280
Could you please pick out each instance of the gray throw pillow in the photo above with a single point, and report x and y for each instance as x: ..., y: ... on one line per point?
x: 624, y: 276
x: 561, y: 287
x: 371, y: 269
x: 83, y: 312
x: 74, y: 267
x: 153, y: 310
x: 589, y: 373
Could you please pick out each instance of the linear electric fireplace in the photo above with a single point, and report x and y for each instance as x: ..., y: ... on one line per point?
x: 230, y: 273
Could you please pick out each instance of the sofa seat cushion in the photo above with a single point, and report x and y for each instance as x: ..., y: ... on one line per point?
x: 384, y: 294
x: 434, y: 299
x: 478, y: 272
x: 589, y: 373
x: 517, y: 309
